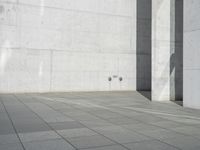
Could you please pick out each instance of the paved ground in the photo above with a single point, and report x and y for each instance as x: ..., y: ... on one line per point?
x: 95, y: 121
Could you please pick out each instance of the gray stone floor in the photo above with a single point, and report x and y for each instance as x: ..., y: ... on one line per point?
x: 95, y: 121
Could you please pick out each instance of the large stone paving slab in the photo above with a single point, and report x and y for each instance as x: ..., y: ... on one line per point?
x: 12, y: 146
x: 149, y: 145
x: 49, y: 145
x: 90, y: 141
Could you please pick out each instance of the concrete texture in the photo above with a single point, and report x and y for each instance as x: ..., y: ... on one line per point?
x: 143, y: 45
x: 161, y: 45
x: 167, y: 50
x: 67, y: 45
x: 95, y: 121
x: 176, y: 58
x: 191, y: 54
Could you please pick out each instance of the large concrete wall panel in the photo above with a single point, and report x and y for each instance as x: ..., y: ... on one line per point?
x: 67, y: 45
x: 191, y: 84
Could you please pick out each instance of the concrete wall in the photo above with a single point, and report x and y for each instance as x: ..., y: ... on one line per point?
x: 191, y: 53
x: 67, y: 45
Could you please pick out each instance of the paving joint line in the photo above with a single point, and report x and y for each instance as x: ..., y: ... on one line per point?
x: 13, y: 125
x: 90, y: 128
x: 47, y: 124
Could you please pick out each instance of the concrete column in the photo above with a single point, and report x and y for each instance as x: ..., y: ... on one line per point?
x: 167, y: 50
x: 162, y: 45
x: 191, y: 71
x: 176, y: 58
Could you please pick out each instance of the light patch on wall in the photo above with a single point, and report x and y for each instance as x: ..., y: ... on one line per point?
x: 41, y: 8
x: 41, y: 69
x: 5, y: 55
